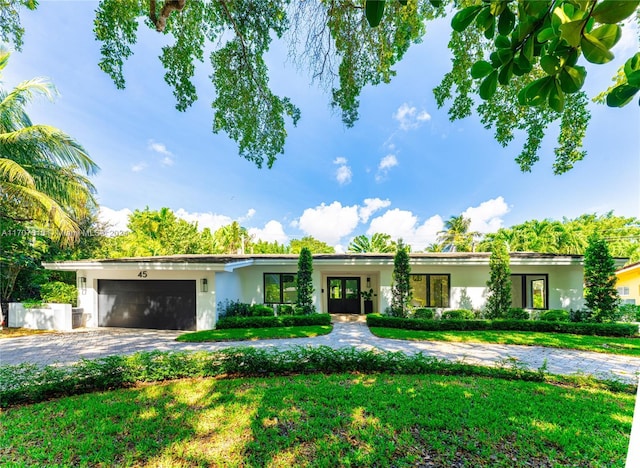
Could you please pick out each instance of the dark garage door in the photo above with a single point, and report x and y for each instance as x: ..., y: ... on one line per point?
x: 166, y: 304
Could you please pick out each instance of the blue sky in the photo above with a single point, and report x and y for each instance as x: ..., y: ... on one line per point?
x: 403, y: 168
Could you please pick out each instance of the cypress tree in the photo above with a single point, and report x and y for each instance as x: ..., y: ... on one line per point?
x: 401, y: 289
x: 304, y: 282
x: 499, y: 283
x: 600, y: 293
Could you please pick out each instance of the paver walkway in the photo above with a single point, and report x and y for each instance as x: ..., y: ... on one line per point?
x: 67, y: 348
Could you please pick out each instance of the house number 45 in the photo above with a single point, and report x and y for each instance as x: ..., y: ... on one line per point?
x: 142, y: 274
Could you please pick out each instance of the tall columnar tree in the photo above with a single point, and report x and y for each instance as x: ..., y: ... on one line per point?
x: 401, y: 289
x: 499, y: 284
x: 600, y: 293
x: 304, y: 282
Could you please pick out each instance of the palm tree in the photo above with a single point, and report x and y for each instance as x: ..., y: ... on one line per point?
x: 233, y: 238
x: 43, y: 171
x: 456, y: 237
x: 378, y: 243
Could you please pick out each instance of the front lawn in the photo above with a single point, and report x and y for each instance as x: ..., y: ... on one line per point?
x: 325, y: 420
x: 241, y: 334
x: 600, y: 344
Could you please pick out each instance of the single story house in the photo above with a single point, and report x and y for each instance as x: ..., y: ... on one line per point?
x: 182, y: 292
x: 628, y: 283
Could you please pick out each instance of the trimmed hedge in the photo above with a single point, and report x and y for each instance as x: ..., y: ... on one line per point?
x: 599, y: 329
x: 271, y: 322
x: 458, y: 314
x: 555, y: 315
x: 517, y: 313
x: 424, y: 313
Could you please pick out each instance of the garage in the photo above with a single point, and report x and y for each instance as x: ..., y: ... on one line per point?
x: 156, y: 304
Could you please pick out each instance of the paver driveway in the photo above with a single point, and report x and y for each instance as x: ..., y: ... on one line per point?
x: 66, y: 348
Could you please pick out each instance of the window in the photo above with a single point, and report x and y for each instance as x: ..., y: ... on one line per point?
x: 280, y: 288
x: 430, y: 290
x: 529, y: 291
x: 623, y: 290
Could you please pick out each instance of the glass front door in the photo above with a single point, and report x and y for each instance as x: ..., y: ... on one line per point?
x: 344, y: 295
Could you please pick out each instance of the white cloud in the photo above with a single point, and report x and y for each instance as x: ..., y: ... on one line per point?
x: 409, y: 117
x: 117, y: 220
x: 404, y: 224
x: 250, y: 213
x: 388, y: 162
x: 159, y: 148
x: 385, y: 164
x: 328, y: 223
x: 343, y: 173
x: 371, y: 205
x: 272, y: 232
x: 486, y: 217
x: 205, y: 220
x: 139, y: 167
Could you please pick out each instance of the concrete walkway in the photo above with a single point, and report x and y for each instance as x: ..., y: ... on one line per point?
x: 67, y: 348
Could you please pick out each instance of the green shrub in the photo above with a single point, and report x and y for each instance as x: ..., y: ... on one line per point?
x: 58, y: 292
x: 285, y: 309
x: 588, y: 328
x: 580, y: 315
x: 235, y: 308
x: 393, y: 311
x: 304, y: 310
x: 629, y: 313
x: 458, y: 314
x: 555, y: 315
x: 517, y: 313
x: 33, y: 304
x: 424, y: 313
x: 261, y: 310
x: 270, y: 322
x: 30, y: 383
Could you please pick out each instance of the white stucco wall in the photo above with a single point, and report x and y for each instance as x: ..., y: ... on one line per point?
x: 50, y: 317
x: 244, y: 280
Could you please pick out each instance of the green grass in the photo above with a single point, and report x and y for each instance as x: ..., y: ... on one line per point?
x: 600, y: 344
x: 241, y: 334
x: 325, y: 420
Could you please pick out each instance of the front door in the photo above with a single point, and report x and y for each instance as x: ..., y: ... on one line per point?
x: 344, y: 295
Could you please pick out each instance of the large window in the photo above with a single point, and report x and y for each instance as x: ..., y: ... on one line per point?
x: 529, y: 291
x: 280, y: 288
x: 430, y: 290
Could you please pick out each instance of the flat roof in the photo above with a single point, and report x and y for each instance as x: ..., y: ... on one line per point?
x: 231, y: 262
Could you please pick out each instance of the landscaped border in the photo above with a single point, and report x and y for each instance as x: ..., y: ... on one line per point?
x: 577, y: 328
x: 270, y: 322
x: 30, y: 383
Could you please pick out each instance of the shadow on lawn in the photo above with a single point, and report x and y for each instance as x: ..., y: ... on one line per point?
x: 328, y: 420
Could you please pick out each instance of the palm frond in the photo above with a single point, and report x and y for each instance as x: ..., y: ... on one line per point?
x: 39, y: 143
x: 11, y: 171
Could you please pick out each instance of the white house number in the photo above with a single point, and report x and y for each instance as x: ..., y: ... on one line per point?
x: 142, y: 274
